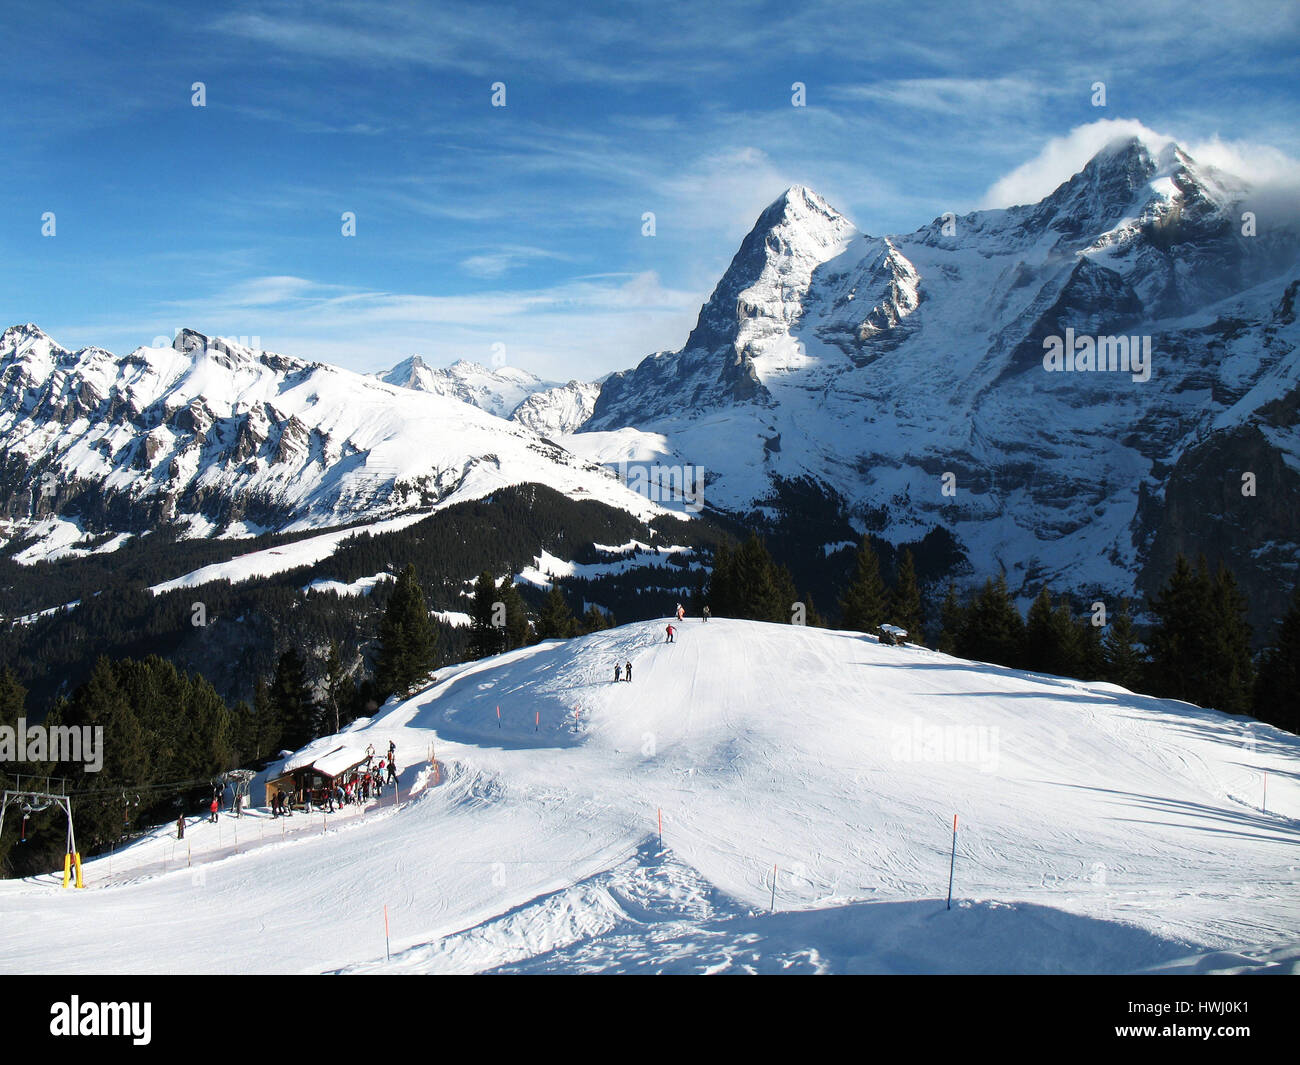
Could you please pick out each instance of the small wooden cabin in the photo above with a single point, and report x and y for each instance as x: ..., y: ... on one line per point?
x: 312, y: 777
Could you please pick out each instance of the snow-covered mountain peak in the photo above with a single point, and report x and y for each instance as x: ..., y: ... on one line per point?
x: 20, y: 339
x: 801, y: 221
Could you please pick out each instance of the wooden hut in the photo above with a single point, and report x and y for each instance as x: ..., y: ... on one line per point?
x: 310, y: 778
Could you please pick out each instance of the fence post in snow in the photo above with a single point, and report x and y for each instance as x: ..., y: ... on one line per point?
x: 952, y: 865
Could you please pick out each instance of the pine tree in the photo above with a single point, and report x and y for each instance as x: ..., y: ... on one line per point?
x: 1177, y: 639
x: 518, y: 630
x: 812, y: 618
x: 1277, y: 687
x: 486, y: 637
x: 1200, y: 645
x: 1123, y: 663
x: 334, y: 680
x: 721, y: 596
x: 952, y: 622
x: 862, y: 608
x: 993, y: 630
x: 268, y: 728
x: 905, y: 600
x: 290, y: 701
x: 555, y: 620
x: 762, y: 591
x: 1052, y: 642
x: 1092, y: 655
x: 13, y: 699
x: 100, y: 701
x: 1234, y: 678
x: 407, y: 641
x: 594, y: 620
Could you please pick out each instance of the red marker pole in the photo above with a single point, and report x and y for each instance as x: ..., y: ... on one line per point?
x: 537, y: 721
x: 953, y: 864
x: 498, y: 717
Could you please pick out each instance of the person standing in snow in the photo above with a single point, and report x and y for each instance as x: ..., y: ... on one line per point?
x: 392, y: 750
x: 627, y: 671
x: 670, y: 635
x: 180, y: 827
x: 706, y: 613
x: 681, y: 612
x: 392, y: 771
x: 212, y: 809
x: 617, y: 666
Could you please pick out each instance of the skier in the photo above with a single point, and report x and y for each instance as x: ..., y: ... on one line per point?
x: 212, y: 809
x: 681, y: 612
x: 392, y: 771
x: 180, y: 827
x: 617, y: 667
x: 627, y: 671
x: 706, y: 613
x: 392, y: 750
x: 670, y: 635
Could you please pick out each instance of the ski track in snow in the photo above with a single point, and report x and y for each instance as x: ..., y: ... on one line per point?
x: 1100, y: 831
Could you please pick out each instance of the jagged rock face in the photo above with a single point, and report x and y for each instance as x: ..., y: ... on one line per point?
x: 558, y: 410
x: 761, y: 296
x: 880, y: 365
x: 207, y: 433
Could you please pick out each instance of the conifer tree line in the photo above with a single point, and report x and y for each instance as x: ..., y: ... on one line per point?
x: 1198, y: 649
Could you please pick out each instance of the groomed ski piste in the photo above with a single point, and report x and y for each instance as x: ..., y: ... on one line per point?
x: 1098, y: 831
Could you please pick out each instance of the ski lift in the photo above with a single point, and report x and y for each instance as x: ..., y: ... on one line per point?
x: 31, y: 804
x: 33, y: 800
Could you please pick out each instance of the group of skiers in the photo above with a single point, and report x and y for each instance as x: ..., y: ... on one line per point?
x: 624, y: 672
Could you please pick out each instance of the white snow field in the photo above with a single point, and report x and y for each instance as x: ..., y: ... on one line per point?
x: 1099, y: 831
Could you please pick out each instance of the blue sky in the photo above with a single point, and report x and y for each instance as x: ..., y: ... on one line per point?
x: 522, y: 225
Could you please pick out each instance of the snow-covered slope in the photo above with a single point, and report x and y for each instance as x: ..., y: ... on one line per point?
x: 218, y: 437
x: 877, y: 366
x: 1098, y: 831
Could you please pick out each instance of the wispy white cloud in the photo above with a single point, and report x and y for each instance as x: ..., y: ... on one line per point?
x: 1062, y: 157
x: 951, y: 95
x: 559, y: 332
x: 500, y: 261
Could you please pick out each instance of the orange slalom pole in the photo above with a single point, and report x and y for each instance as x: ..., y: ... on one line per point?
x: 953, y: 864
